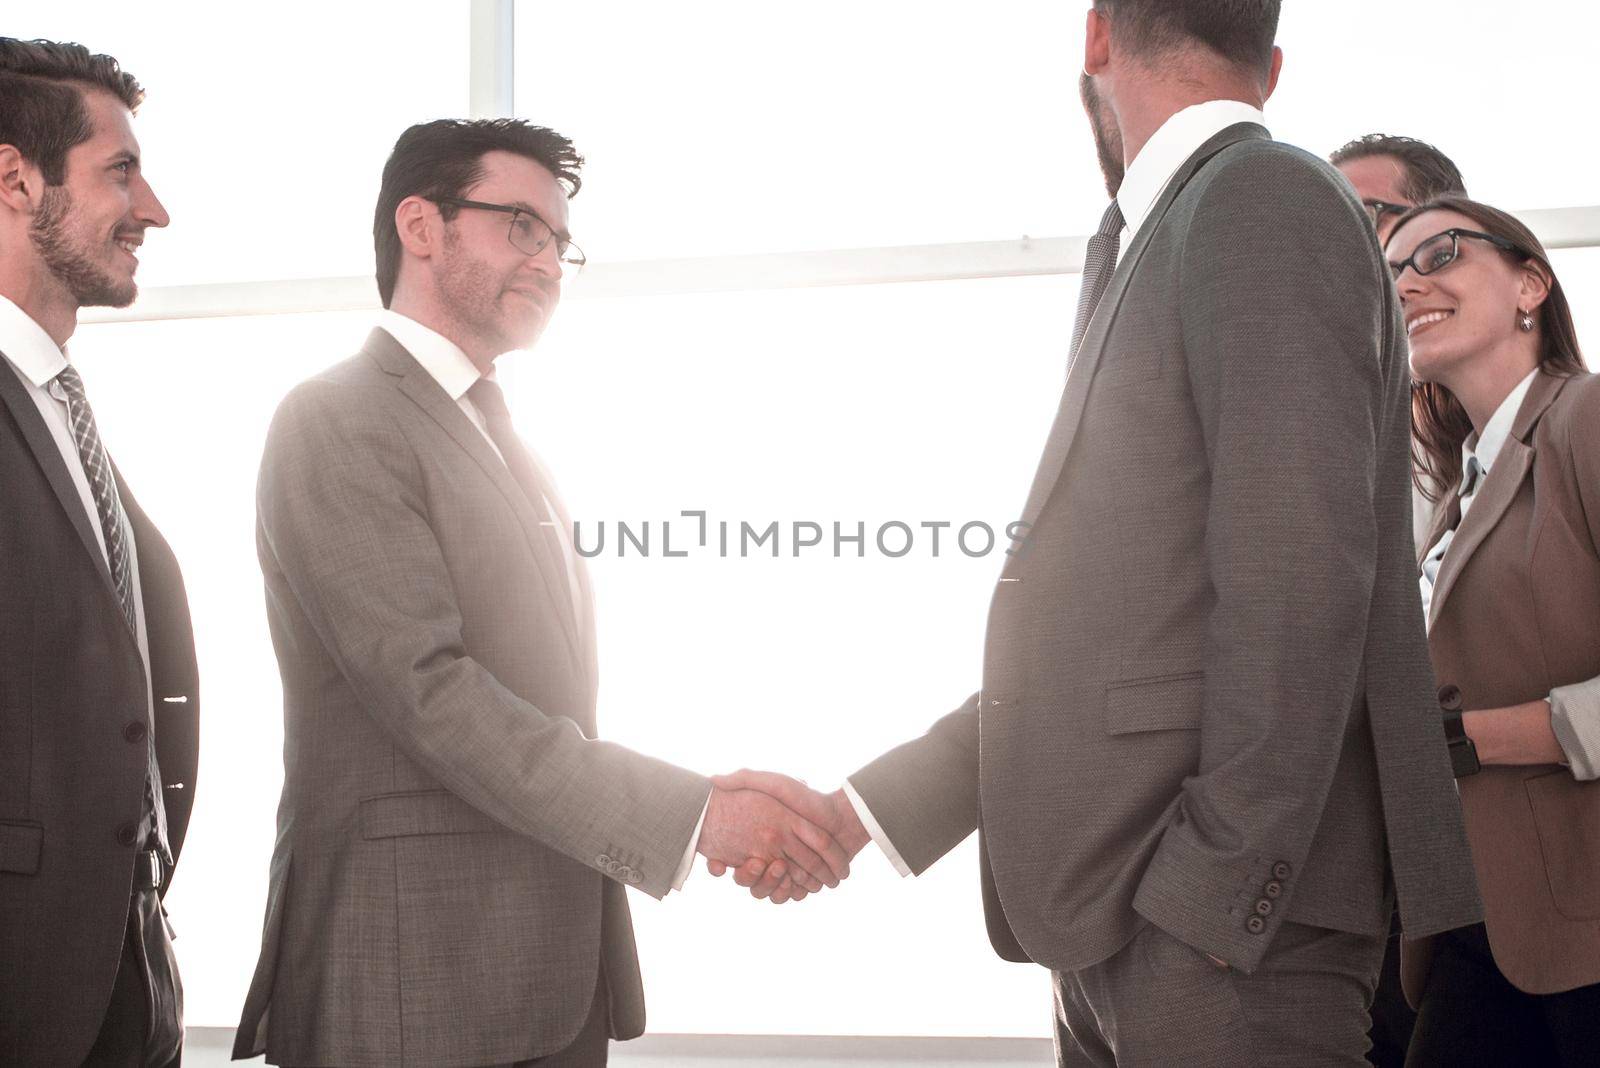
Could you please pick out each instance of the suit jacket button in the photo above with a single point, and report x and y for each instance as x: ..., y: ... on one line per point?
x: 127, y: 834
x: 1450, y: 697
x: 603, y: 860
x: 1255, y: 925
x: 1280, y: 871
x: 134, y: 732
x: 1263, y: 907
x: 636, y: 878
x: 625, y: 871
x: 1274, y: 889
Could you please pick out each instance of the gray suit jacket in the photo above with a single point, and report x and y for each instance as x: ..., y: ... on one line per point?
x: 1206, y: 693
x: 452, y: 840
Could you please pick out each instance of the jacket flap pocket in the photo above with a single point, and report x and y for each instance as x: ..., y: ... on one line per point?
x: 425, y: 812
x: 1566, y: 814
x: 1162, y: 703
x: 20, y: 847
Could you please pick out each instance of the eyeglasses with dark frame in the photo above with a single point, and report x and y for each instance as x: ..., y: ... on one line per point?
x: 1377, y: 209
x: 528, y: 233
x: 1440, y: 251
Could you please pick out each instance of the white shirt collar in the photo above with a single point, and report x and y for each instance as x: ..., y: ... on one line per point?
x: 29, y: 348
x: 438, y: 355
x: 1486, y: 446
x: 1169, y: 147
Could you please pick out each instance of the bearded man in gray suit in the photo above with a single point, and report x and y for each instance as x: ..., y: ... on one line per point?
x: 453, y: 844
x: 1206, y: 751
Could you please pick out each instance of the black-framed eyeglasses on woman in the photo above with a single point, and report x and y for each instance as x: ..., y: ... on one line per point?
x: 528, y: 233
x: 1440, y: 251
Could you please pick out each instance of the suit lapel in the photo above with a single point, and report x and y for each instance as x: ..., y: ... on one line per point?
x: 1443, y: 516
x: 426, y: 393
x: 1499, y: 489
x: 48, y: 456
x: 1070, y: 413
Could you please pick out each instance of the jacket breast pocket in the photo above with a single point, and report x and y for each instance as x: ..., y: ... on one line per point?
x: 1158, y: 703
x: 21, y: 845
x: 1567, y: 815
x: 1129, y: 365
x: 421, y: 812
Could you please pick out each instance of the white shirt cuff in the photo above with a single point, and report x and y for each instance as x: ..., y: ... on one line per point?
x: 864, y: 814
x: 1575, y: 718
x: 686, y: 865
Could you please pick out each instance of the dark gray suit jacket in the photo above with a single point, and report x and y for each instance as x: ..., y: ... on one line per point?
x: 1206, y: 693
x: 453, y: 843
x: 73, y: 712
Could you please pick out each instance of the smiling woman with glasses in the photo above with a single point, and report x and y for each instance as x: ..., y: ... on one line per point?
x: 1507, y: 427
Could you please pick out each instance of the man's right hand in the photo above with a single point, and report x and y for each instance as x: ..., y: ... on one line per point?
x: 746, y: 827
x: 833, y: 813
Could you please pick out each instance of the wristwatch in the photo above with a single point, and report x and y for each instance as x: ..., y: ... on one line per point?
x: 1463, y: 754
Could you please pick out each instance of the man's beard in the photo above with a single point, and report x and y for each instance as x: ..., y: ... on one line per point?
x: 470, y: 292
x: 1107, y: 138
x: 66, y: 252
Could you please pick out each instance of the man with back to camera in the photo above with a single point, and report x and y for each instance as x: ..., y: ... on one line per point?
x: 453, y: 843
x: 1391, y: 175
x: 99, y: 707
x: 1209, y: 755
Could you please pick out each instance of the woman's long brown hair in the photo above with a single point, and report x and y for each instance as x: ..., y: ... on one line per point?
x: 1439, y: 424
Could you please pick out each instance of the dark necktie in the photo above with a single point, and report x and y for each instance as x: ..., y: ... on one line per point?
x: 491, y: 401
x: 114, y: 527
x: 1099, y: 263
x: 1471, y: 478
x: 92, y: 454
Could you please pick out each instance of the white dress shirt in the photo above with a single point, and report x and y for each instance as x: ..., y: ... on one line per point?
x: 1146, y: 179
x: 36, y: 359
x: 447, y: 365
x: 1478, y: 454
x: 1168, y: 149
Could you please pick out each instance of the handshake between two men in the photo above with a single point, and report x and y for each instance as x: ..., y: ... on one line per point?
x: 782, y: 839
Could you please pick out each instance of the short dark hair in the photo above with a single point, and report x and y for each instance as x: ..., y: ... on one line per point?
x: 1428, y: 172
x: 42, y: 113
x: 443, y: 159
x: 1240, y: 31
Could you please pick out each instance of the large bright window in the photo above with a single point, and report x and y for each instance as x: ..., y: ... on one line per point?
x: 717, y: 129
x: 265, y: 127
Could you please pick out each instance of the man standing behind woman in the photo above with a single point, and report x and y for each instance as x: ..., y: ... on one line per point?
x: 1508, y: 437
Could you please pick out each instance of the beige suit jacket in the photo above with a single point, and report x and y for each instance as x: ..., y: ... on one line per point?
x: 453, y: 840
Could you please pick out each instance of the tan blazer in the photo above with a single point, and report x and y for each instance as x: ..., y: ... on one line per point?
x: 1516, y: 613
x: 453, y: 843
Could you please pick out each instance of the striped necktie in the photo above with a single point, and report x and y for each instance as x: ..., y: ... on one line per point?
x: 97, y: 466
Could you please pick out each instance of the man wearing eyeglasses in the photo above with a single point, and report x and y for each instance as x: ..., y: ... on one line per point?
x: 1394, y: 174
x: 1391, y: 175
x: 453, y: 842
